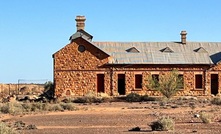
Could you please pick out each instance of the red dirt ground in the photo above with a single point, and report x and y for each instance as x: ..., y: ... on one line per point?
x: 119, y: 117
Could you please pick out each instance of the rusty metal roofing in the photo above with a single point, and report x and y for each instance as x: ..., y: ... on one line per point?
x: 151, y: 52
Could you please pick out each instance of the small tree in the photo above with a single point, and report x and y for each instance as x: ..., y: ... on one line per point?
x: 168, y: 84
x: 48, y: 90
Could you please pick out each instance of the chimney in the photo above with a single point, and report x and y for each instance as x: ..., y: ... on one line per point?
x: 183, y: 37
x: 80, y: 22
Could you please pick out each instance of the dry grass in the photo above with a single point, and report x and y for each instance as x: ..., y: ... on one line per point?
x: 16, y: 108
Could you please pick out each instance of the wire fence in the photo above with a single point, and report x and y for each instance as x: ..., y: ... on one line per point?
x: 23, y: 87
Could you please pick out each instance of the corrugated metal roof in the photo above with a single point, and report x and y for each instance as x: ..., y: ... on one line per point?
x: 150, y: 52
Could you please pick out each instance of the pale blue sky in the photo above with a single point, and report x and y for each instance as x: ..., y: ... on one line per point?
x: 32, y: 30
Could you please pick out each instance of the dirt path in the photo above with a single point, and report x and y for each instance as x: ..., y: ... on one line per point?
x: 118, y: 118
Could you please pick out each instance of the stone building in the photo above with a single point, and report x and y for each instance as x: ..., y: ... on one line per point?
x: 119, y: 68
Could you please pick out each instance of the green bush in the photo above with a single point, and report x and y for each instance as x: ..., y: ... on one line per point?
x: 133, y: 97
x: 4, y: 129
x: 167, y: 84
x: 216, y: 101
x: 163, y: 124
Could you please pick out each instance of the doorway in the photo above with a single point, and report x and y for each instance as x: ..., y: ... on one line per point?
x: 68, y: 92
x: 121, y: 84
x: 100, y: 83
x: 214, y: 84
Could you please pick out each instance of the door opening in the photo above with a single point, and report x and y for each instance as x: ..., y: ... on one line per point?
x: 100, y: 83
x: 121, y: 84
x: 214, y: 84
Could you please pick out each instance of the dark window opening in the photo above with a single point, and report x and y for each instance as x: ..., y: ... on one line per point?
x: 181, y: 81
x: 132, y: 50
x: 138, y: 81
x: 198, y: 81
x: 167, y: 50
x: 155, y: 77
x: 81, y: 48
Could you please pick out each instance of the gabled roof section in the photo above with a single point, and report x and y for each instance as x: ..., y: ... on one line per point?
x: 132, y: 50
x: 200, y: 50
x: 81, y: 33
x: 167, y: 50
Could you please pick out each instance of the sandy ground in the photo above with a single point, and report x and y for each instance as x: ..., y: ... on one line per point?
x: 119, y: 117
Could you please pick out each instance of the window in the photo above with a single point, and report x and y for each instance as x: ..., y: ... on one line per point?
x: 200, y: 50
x: 181, y: 84
x: 81, y: 48
x: 138, y: 81
x: 155, y: 77
x: 198, y: 81
x: 132, y: 50
x: 167, y: 50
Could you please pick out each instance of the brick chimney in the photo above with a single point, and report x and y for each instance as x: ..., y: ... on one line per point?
x: 183, y: 37
x: 80, y: 22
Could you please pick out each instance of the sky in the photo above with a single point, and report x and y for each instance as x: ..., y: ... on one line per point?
x: 32, y: 30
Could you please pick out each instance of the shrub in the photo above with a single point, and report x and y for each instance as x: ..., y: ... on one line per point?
x: 135, y: 129
x: 4, y: 129
x: 216, y: 101
x: 90, y: 94
x: 48, y: 90
x: 206, y: 118
x: 103, y: 95
x: 67, y: 100
x: 133, y: 97
x: 55, y: 107
x: 88, y: 99
x: 147, y: 98
x: 19, y: 125
x: 27, y: 107
x: 29, y: 127
x: 80, y: 100
x: 36, y: 107
x: 12, y: 108
x: 163, y: 124
x: 68, y: 106
x: 168, y: 84
x: 21, y: 108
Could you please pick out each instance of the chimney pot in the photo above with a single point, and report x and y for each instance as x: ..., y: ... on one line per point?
x: 80, y: 22
x: 183, y: 37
